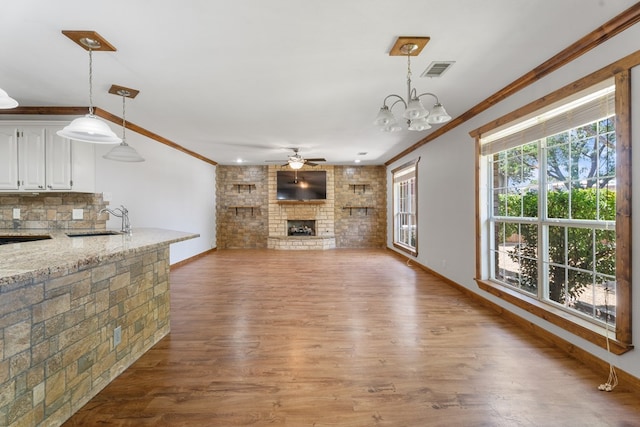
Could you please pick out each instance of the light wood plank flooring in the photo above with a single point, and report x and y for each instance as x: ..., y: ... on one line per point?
x: 345, y: 338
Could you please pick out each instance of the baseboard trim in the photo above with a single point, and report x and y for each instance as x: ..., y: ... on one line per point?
x: 625, y: 380
x: 191, y: 259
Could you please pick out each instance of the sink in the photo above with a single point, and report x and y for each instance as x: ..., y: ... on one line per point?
x: 4, y: 240
x: 94, y: 233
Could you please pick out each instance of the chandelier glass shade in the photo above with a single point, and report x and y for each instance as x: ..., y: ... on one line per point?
x: 418, y: 118
x: 6, y: 102
x: 124, y: 152
x: 90, y: 128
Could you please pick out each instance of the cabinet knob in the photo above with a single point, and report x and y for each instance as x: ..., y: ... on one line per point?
x: 49, y: 187
x: 40, y: 186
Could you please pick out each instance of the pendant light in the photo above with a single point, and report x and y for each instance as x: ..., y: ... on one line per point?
x: 7, y: 102
x: 124, y: 152
x: 89, y: 128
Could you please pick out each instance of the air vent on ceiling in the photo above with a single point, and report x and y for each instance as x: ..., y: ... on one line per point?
x: 437, y: 68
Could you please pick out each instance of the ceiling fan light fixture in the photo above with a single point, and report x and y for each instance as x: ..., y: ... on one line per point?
x: 418, y: 117
x: 296, y: 163
x: 7, y: 102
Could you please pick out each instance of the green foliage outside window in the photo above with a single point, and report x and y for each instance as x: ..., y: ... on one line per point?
x: 572, y: 250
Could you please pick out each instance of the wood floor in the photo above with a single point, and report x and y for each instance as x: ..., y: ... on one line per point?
x: 344, y: 338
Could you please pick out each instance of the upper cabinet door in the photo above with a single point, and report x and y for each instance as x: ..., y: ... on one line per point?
x: 34, y: 159
x: 31, y: 146
x: 58, y: 161
x: 9, y: 158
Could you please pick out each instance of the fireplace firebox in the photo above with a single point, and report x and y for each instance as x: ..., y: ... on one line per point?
x: 301, y: 227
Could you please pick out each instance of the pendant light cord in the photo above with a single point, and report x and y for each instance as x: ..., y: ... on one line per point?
x: 124, y: 120
x: 90, y: 82
x: 408, y: 76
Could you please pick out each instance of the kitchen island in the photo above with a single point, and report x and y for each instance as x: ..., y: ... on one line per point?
x: 75, y: 312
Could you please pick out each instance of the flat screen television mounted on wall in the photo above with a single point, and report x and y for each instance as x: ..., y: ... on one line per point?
x: 301, y: 185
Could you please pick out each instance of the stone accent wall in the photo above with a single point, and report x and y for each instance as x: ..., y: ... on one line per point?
x: 241, y: 211
x: 52, y: 210
x: 360, y: 187
x: 266, y: 225
x: 56, y: 340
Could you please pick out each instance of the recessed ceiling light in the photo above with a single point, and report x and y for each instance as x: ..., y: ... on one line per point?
x: 239, y: 161
x: 357, y: 160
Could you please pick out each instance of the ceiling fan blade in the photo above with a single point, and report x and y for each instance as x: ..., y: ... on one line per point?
x: 310, y: 163
x: 318, y: 159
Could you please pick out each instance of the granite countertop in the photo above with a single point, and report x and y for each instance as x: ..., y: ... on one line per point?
x: 63, y: 255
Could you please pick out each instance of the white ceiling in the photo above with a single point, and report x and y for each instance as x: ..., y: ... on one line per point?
x: 249, y: 78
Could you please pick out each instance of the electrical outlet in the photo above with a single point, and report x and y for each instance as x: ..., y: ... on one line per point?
x: 77, y: 214
x: 117, y: 336
x: 16, y: 213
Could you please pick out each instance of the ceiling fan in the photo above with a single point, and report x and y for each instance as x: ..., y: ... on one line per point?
x: 296, y: 161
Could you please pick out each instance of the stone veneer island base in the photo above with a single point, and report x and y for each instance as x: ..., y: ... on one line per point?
x: 60, y: 303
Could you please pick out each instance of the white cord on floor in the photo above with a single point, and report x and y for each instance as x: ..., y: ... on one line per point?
x: 612, y: 382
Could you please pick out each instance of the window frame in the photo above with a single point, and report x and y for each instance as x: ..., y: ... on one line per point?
x: 596, y: 334
x: 404, y: 168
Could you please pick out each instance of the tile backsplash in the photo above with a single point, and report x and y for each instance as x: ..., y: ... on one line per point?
x: 52, y: 211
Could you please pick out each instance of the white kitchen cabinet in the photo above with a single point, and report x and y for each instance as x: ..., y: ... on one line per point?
x: 58, y: 161
x: 33, y: 158
x: 8, y: 159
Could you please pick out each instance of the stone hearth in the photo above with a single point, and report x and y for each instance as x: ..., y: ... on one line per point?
x: 301, y: 243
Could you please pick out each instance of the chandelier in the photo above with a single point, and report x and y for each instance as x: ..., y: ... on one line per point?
x: 418, y: 118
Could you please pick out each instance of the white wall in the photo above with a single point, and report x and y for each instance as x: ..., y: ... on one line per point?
x: 170, y: 190
x: 446, y: 192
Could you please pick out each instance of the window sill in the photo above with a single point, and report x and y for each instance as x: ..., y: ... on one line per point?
x: 593, y: 333
x: 407, y: 249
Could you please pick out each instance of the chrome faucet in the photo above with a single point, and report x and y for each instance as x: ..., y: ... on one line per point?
x: 120, y: 212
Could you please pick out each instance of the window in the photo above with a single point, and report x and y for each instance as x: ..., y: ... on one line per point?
x: 405, y: 207
x: 552, y: 221
x: 555, y: 186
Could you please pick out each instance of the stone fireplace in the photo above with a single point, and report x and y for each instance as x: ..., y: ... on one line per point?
x: 301, y: 227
